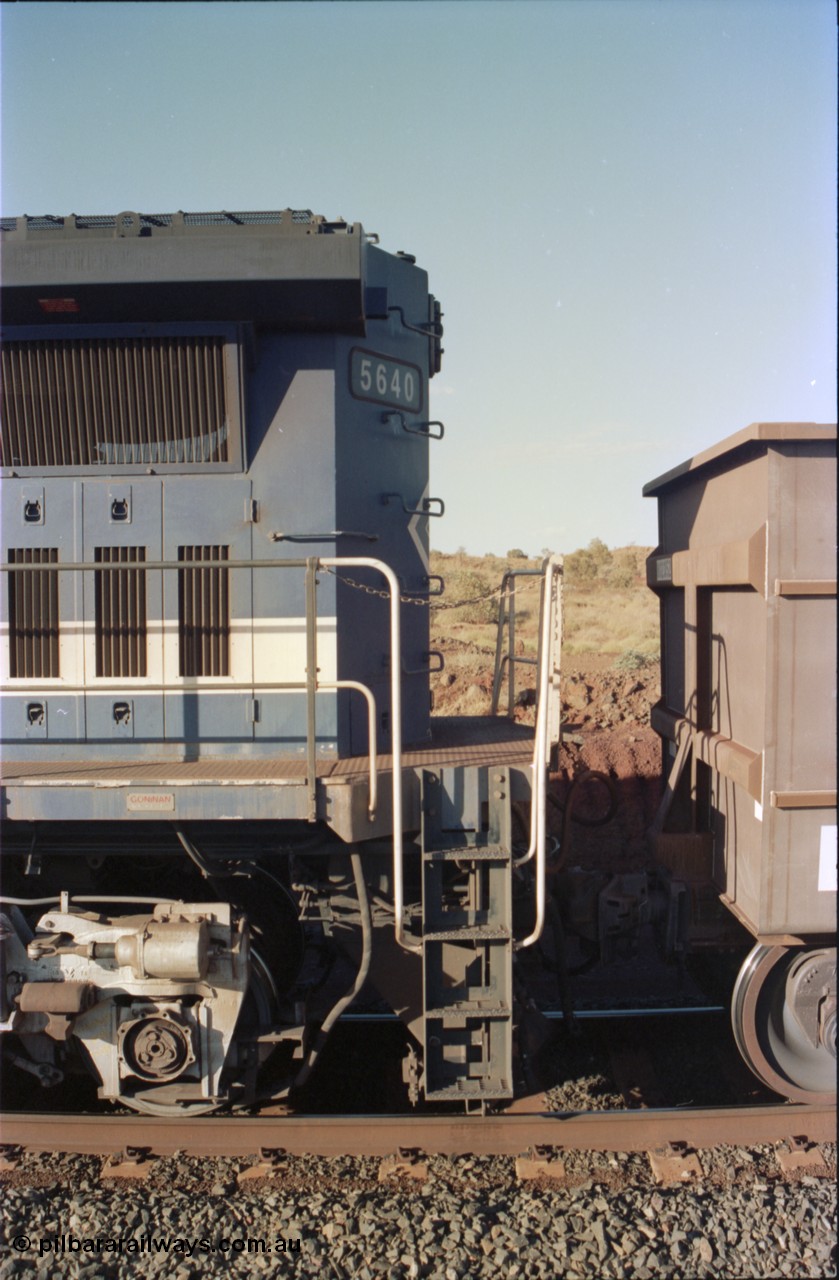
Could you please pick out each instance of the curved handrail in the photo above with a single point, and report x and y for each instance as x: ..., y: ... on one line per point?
x: 366, y: 562
x: 538, y: 794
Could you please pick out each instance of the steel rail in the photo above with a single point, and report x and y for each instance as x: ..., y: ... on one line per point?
x: 360, y: 1135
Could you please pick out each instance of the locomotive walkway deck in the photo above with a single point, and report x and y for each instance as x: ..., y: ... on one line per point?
x: 478, y: 740
x: 268, y: 787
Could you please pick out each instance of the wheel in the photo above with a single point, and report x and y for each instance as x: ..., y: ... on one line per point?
x: 767, y: 1009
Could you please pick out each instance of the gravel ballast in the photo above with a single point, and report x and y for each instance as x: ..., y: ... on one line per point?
x: 470, y: 1218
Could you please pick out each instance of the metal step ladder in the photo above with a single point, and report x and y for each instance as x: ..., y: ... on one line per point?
x: 467, y: 945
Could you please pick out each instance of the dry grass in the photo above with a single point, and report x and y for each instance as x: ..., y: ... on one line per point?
x: 611, y: 620
x: 613, y: 614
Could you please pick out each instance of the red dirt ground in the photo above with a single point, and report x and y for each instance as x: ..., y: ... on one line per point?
x: 606, y: 717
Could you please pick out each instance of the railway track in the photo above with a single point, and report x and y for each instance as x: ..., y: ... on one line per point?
x: 513, y: 1132
x: 348, y: 1188
x: 642, y: 1115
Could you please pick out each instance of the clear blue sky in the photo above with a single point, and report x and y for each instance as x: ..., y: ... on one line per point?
x: 627, y: 207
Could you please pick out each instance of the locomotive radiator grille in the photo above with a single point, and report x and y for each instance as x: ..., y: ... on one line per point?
x: 120, y: 612
x: 113, y: 402
x: 33, y: 616
x: 204, y: 614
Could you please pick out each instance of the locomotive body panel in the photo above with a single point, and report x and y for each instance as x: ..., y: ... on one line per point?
x: 278, y: 376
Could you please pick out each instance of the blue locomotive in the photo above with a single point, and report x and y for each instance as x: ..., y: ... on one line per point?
x: 216, y: 712
x: 227, y: 809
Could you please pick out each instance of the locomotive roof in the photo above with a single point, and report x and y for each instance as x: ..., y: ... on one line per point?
x: 286, y: 268
x: 146, y: 224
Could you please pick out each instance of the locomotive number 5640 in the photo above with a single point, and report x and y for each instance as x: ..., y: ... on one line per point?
x: 385, y: 381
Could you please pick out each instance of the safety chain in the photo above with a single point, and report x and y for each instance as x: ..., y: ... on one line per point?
x: 426, y: 601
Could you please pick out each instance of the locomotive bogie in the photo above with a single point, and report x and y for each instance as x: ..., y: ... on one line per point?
x: 152, y: 1000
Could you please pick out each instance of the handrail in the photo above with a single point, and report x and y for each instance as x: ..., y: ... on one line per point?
x: 371, y: 734
x: 507, y: 595
x: 522, y: 661
x: 365, y: 562
x: 239, y: 686
x: 311, y: 590
x: 330, y: 536
x: 421, y: 429
x: 538, y: 795
x: 110, y: 566
x: 552, y: 568
x: 427, y: 507
x: 309, y: 686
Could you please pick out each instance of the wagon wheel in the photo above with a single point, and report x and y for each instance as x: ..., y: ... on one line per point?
x: 769, y: 1035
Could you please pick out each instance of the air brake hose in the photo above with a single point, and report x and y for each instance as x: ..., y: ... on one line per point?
x: 360, y: 979
x: 568, y: 815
